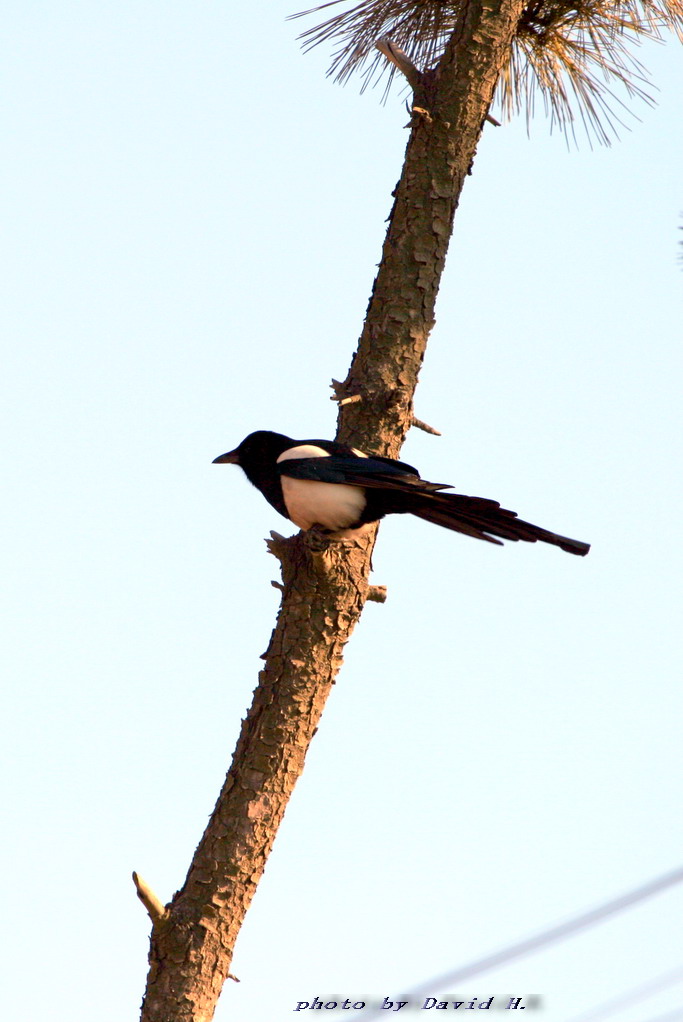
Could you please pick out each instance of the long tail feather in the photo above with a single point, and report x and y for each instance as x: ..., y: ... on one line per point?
x: 486, y: 519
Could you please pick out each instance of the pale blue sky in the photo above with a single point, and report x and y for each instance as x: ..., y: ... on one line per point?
x: 191, y: 218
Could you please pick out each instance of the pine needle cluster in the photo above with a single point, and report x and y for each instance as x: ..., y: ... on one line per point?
x: 575, y: 55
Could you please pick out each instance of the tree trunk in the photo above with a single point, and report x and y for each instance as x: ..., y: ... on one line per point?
x: 325, y: 584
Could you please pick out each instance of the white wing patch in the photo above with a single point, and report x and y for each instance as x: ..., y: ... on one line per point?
x: 303, y: 451
x: 335, y: 506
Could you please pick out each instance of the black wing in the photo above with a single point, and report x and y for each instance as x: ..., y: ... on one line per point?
x: 351, y: 470
x: 396, y: 488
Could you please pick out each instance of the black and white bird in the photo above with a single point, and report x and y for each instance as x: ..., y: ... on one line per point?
x: 323, y: 484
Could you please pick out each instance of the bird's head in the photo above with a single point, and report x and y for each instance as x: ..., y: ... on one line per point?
x: 257, y: 451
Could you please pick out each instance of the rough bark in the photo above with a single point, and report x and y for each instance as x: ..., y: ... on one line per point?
x: 450, y: 105
x: 325, y: 584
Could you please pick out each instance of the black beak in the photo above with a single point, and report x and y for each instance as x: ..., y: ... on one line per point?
x: 231, y: 458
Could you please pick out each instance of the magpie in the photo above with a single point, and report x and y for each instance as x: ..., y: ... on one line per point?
x: 324, y: 484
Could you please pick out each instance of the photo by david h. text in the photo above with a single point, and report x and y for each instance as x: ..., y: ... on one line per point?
x: 504, y: 1003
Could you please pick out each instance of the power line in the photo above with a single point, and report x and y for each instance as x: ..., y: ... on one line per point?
x: 671, y: 1016
x: 551, y: 936
x: 639, y: 993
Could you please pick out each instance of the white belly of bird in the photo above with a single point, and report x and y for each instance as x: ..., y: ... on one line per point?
x: 335, y: 506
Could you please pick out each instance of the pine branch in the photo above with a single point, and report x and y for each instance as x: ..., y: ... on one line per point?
x: 325, y: 583
x: 577, y: 55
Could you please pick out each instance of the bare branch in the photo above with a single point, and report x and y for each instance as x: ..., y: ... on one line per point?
x: 340, y: 395
x: 399, y: 59
x: 156, y: 910
x: 277, y: 546
x: 419, y: 424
